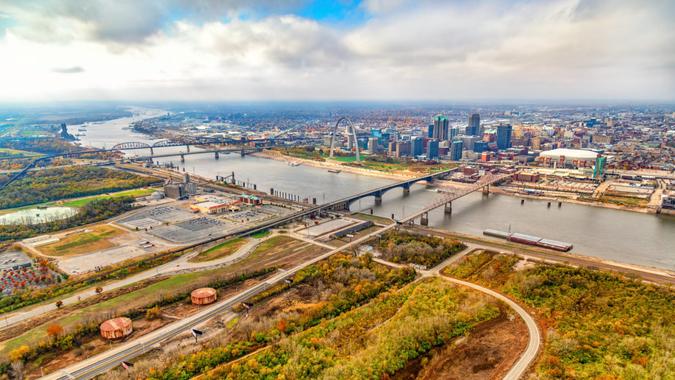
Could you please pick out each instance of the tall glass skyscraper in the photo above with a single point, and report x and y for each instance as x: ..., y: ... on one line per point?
x: 441, y: 127
x: 504, y: 136
x: 474, y: 125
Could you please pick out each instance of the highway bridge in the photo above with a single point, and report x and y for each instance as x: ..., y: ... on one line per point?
x: 446, y: 200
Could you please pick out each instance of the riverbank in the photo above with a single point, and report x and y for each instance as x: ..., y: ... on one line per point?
x: 648, y: 273
x: 331, y: 165
x: 612, y: 206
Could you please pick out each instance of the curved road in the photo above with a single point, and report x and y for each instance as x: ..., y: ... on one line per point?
x: 517, y: 370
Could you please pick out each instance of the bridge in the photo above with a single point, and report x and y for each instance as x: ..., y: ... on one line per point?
x: 377, y: 193
x: 447, y: 199
x: 216, y: 152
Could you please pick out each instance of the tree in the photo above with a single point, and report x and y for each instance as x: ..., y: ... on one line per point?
x: 54, y: 330
x: 59, y: 303
x: 152, y: 313
x: 99, y: 290
x: 19, y: 353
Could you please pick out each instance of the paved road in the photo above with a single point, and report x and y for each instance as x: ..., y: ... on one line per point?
x: 103, y: 362
x: 518, y: 369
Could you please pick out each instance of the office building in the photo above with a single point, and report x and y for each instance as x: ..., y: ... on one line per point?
x: 417, y: 146
x: 468, y: 141
x: 504, y: 136
x: 474, y: 125
x: 402, y: 149
x: 480, y: 146
x: 430, y: 131
x: 456, y: 150
x: 441, y: 127
x: 432, y: 149
x: 454, y: 132
x: 372, y: 145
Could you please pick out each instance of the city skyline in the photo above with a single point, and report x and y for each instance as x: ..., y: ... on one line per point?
x: 353, y: 50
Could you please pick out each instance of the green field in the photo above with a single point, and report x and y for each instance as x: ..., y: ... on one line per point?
x: 164, y: 288
x: 136, y: 193
x: 10, y: 153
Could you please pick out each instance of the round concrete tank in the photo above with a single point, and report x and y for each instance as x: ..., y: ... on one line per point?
x: 116, y: 328
x: 204, y: 296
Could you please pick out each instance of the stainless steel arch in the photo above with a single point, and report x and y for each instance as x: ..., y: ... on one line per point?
x: 349, y: 130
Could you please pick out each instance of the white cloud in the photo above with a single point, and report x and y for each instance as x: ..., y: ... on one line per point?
x: 424, y: 50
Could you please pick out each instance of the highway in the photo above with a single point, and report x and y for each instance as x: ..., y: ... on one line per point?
x: 103, y: 362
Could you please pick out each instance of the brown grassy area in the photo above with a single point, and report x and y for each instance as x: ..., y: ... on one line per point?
x: 84, y: 242
x: 487, y: 352
x: 221, y: 250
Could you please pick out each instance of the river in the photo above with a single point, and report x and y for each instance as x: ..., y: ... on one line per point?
x: 623, y: 236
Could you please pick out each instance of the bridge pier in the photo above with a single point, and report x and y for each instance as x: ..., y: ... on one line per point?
x: 243, y: 153
x: 424, y: 219
x: 152, y: 151
x: 187, y: 147
x: 216, y: 155
x: 430, y: 182
x: 182, y: 158
x: 406, y: 190
x: 448, y: 208
x: 378, y: 200
x: 486, y: 190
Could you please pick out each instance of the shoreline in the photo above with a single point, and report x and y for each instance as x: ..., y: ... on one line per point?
x: 277, y: 156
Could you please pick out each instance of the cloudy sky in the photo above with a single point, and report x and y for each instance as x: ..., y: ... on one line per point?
x: 336, y: 50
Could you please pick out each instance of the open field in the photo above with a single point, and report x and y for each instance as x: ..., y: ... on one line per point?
x: 136, y: 193
x: 221, y: 250
x: 372, y: 218
x: 93, y: 239
x: 277, y: 252
x: 597, y: 323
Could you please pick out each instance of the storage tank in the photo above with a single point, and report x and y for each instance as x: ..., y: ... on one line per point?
x: 116, y: 328
x: 203, y: 296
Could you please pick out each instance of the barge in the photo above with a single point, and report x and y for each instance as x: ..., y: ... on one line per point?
x: 530, y: 240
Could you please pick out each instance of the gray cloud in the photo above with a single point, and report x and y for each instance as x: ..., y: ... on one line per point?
x: 68, y: 70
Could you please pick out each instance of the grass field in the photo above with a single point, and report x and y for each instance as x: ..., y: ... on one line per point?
x: 373, y: 218
x: 136, y: 193
x: 83, y: 242
x: 279, y: 251
x: 221, y: 250
x: 8, y: 152
x: 261, y: 234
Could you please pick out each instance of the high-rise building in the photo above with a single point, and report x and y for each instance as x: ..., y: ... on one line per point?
x: 474, y: 125
x: 504, y: 136
x: 430, y: 131
x: 456, y: 150
x: 432, y: 149
x: 417, y: 146
x: 454, y: 132
x: 441, y: 127
x: 372, y: 145
x: 480, y: 146
x: 402, y: 149
x: 468, y: 141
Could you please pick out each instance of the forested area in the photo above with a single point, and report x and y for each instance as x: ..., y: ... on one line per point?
x: 407, y: 248
x: 318, y: 294
x: 68, y: 182
x: 92, y: 212
x: 599, y: 325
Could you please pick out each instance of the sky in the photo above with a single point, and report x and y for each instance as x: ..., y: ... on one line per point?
x: 422, y: 50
